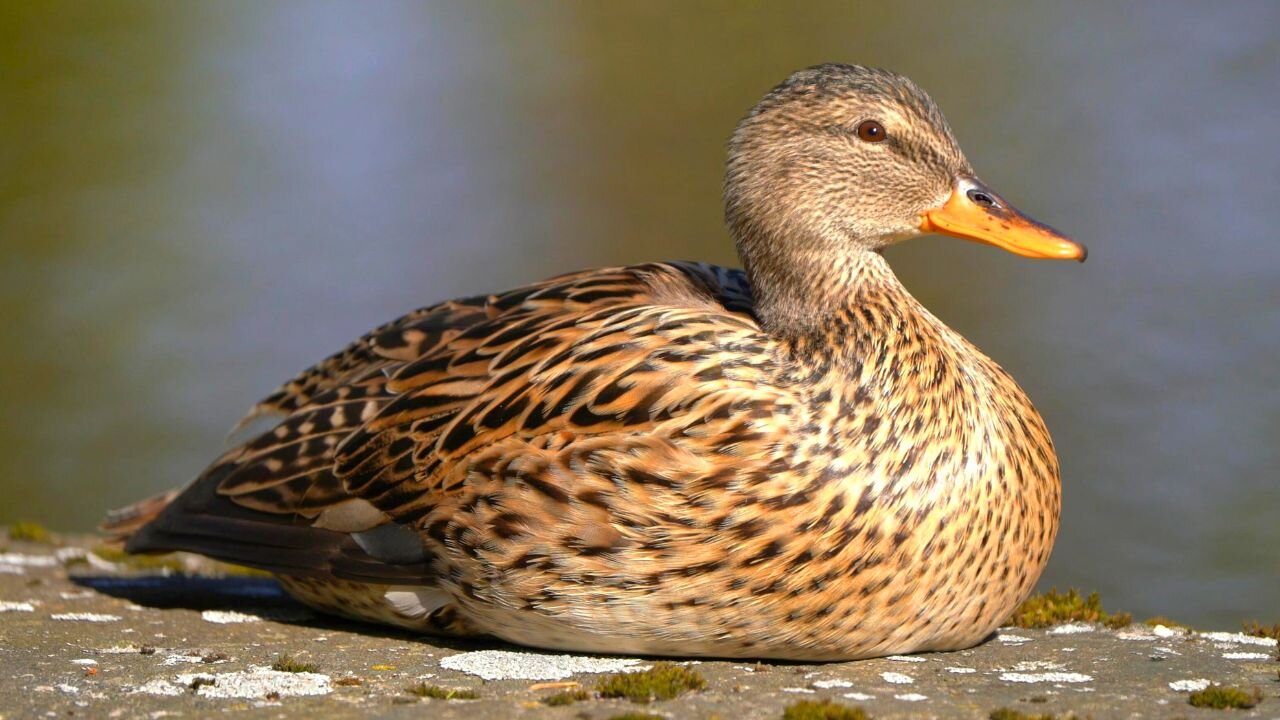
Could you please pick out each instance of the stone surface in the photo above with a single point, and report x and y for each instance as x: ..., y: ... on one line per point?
x: 84, y: 637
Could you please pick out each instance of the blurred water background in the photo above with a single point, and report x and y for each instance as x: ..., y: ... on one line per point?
x: 199, y: 199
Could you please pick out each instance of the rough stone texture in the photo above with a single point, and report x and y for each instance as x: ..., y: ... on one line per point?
x: 90, y: 638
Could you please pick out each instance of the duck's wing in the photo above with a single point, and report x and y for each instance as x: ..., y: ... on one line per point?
x: 259, y: 503
x: 381, y: 434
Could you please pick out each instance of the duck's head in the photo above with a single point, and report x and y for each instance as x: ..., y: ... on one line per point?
x: 840, y: 161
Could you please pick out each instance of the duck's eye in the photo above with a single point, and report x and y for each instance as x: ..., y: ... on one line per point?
x: 871, y: 131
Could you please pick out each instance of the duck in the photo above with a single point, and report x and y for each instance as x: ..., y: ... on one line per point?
x: 794, y: 460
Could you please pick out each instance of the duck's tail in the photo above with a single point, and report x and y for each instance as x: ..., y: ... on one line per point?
x: 121, y: 524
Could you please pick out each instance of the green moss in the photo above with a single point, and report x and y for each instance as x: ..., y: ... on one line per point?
x: 822, y: 710
x: 1115, y: 621
x: 1257, y: 629
x: 110, y: 553
x: 663, y: 682
x: 1011, y: 714
x: 29, y: 532
x: 138, y: 562
x: 435, y: 692
x: 1222, y: 698
x: 287, y: 663
x: 566, y: 698
x: 1054, y: 608
x: 239, y: 571
x: 1167, y: 622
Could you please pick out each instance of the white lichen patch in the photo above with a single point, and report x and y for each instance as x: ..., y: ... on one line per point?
x: 897, y: 678
x: 1189, y: 685
x: 159, y: 686
x: 262, y: 681
x: 85, y: 617
x: 806, y: 691
x: 11, y: 606
x: 1072, y: 629
x: 863, y: 697
x: 1005, y: 638
x: 905, y: 658
x: 1238, y: 638
x: 228, y: 617
x: 119, y: 650
x: 911, y: 697
x: 1245, y: 656
x: 828, y: 684
x: 179, y: 659
x: 85, y: 661
x: 1162, y: 631
x: 1029, y: 665
x: 22, y: 560
x: 1052, y: 677
x: 961, y: 670
x: 85, y: 595
x: 509, y: 665
x: 62, y: 555
x: 256, y: 682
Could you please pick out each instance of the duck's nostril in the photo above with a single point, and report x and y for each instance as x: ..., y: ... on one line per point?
x: 981, y: 198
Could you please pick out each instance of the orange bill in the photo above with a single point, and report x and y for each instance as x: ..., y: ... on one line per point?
x: 975, y: 213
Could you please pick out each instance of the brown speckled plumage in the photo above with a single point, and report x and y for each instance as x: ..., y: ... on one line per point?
x: 796, y: 461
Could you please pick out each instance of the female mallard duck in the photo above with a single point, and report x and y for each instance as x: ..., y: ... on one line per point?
x: 793, y: 461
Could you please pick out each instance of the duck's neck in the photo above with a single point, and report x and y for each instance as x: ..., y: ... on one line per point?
x: 814, y: 298
x: 853, y: 320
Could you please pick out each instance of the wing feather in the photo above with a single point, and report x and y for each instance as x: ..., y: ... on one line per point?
x: 543, y: 385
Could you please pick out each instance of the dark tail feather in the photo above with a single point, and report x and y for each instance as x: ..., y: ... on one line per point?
x: 123, y: 523
x: 200, y: 520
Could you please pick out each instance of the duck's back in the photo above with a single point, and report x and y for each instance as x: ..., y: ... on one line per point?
x: 477, y: 448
